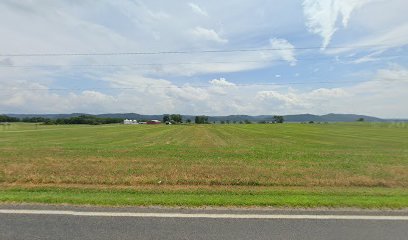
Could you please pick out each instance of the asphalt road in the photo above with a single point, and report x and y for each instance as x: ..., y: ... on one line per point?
x: 56, y: 222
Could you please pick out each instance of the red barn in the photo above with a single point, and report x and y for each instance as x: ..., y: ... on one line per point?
x: 153, y: 122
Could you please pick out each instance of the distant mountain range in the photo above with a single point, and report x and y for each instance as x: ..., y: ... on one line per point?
x: 332, y: 117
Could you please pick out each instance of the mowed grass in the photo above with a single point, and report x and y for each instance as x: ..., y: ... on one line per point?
x: 218, y: 196
x: 253, y: 157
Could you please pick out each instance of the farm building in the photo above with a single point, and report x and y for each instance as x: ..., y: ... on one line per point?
x: 153, y: 122
x: 127, y: 121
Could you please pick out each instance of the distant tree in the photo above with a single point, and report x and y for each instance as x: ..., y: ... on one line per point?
x: 60, y: 121
x: 360, y: 120
x: 35, y: 119
x: 234, y: 122
x: 227, y: 122
x: 166, y: 118
x: 5, y: 118
x: 247, y: 121
x: 188, y: 120
x: 222, y: 122
x: 84, y: 119
x: 241, y: 122
x: 278, y: 119
x: 311, y: 122
x: 49, y: 122
x: 201, y: 119
x: 177, y: 118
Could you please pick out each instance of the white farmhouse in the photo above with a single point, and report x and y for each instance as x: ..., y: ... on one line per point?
x: 127, y: 121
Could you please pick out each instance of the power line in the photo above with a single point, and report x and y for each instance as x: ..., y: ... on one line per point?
x: 180, y: 52
x: 185, y: 86
x: 188, y: 63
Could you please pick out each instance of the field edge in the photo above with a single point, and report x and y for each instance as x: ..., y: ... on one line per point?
x: 364, y: 198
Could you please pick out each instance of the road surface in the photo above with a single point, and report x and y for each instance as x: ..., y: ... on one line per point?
x: 65, y: 222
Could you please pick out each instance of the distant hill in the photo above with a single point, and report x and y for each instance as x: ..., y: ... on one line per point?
x: 349, y: 118
x: 50, y: 116
x: 304, y: 118
x: 332, y: 117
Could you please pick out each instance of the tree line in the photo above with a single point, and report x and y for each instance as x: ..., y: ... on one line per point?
x: 82, y: 119
x: 172, y: 118
x: 5, y: 118
x: 177, y: 119
x: 93, y: 120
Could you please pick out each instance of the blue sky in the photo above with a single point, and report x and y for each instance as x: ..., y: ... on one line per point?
x: 306, y: 56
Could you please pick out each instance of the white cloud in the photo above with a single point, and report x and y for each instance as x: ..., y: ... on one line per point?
x: 224, y: 63
x: 34, y: 98
x: 368, y: 58
x: 220, y: 86
x: 197, y: 9
x: 383, y: 96
x: 323, y: 93
x: 6, y: 62
x: 222, y: 82
x: 280, y: 99
x: 395, y: 73
x: 288, y: 50
x: 149, y: 26
x: 322, y: 15
x: 208, y: 34
x: 378, y: 41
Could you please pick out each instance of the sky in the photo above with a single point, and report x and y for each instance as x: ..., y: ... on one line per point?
x: 257, y: 57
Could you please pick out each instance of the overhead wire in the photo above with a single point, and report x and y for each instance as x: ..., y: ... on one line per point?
x: 187, y: 86
x: 180, y: 63
x: 53, y: 54
x: 191, y: 63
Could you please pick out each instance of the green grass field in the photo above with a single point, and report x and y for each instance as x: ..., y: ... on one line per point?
x: 326, y: 164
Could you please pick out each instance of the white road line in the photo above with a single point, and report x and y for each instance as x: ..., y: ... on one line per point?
x: 203, y: 215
